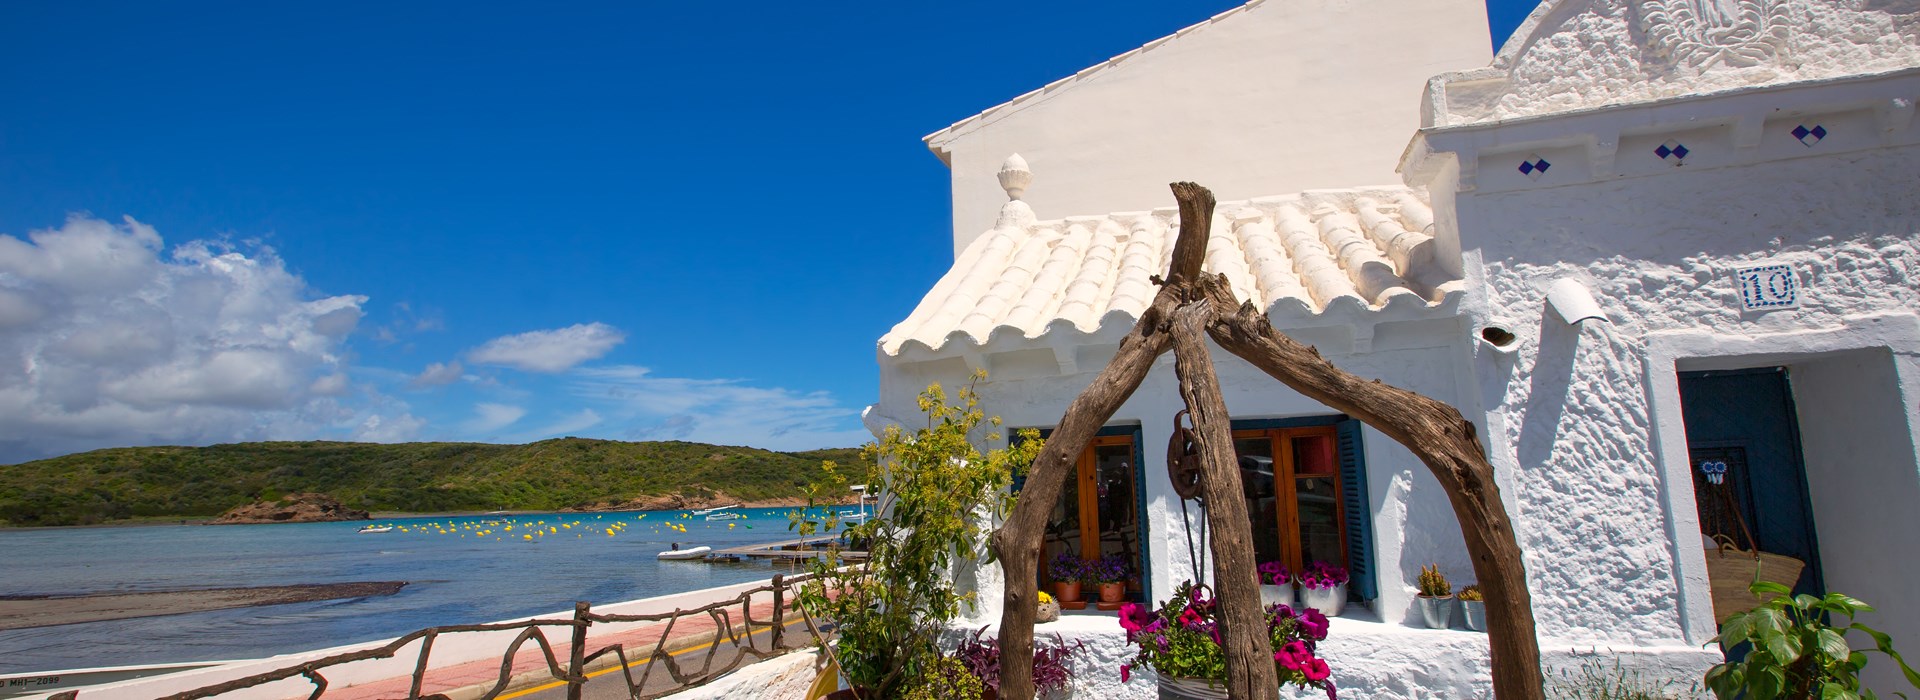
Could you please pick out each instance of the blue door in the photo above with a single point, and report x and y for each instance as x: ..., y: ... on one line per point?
x: 1744, y: 419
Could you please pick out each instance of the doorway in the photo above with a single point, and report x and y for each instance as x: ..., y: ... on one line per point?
x: 1745, y: 420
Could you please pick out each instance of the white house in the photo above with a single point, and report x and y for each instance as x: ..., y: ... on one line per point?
x: 1644, y: 236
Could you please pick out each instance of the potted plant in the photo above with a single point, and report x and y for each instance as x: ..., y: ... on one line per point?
x: 1799, y: 648
x: 948, y: 679
x: 1110, y: 574
x: 1181, y: 643
x: 1436, y: 598
x: 890, y: 608
x: 1276, y: 584
x: 1046, y: 610
x: 1473, y: 607
x: 1323, y: 587
x: 1066, y: 571
x: 1052, y: 662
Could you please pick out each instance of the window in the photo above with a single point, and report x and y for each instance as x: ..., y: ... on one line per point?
x: 1100, y: 507
x: 1304, y: 481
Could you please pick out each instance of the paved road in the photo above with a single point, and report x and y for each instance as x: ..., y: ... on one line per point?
x: 609, y: 684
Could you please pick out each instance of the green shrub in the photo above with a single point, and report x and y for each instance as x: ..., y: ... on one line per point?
x: 1797, y: 652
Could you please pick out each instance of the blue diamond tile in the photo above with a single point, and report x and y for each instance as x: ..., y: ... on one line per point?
x: 1809, y: 136
x: 1534, y: 166
x: 1672, y: 151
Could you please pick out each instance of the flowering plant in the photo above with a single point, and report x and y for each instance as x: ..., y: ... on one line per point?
x: 1052, y: 663
x: 1320, y: 574
x: 1274, y: 573
x: 1182, y: 640
x: 1112, y: 569
x: 1067, y: 568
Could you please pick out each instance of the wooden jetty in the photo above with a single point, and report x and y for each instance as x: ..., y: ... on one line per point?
x: 802, y: 548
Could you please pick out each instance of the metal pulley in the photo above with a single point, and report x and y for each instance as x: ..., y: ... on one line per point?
x: 1183, y: 459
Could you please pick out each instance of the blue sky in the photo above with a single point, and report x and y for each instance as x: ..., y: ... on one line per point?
x: 474, y: 221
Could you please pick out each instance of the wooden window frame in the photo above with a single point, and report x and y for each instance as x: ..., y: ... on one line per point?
x: 1286, y: 489
x: 1086, y: 468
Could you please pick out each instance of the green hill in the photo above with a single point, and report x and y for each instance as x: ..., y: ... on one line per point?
x: 136, y: 482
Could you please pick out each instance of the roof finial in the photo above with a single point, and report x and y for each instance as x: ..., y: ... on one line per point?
x: 1014, y: 176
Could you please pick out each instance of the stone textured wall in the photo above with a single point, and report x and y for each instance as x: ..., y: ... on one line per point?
x: 1659, y: 253
x: 1587, y: 53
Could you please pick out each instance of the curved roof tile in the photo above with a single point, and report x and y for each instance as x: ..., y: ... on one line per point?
x: 1303, y: 255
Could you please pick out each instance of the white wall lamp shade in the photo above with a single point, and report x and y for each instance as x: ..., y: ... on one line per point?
x: 1574, y: 302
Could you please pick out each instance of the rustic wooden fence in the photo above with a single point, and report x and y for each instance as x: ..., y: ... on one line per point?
x: 681, y: 673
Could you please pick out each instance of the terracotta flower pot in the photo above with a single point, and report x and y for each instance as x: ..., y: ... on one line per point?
x: 1066, y: 591
x: 1113, y: 592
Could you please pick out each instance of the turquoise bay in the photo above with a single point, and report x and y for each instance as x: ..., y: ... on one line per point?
x: 454, y: 578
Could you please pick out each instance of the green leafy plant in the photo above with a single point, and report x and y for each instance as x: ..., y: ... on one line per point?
x: 1797, y: 652
x: 947, y: 679
x: 1433, y: 584
x: 1597, y: 680
x: 938, y: 492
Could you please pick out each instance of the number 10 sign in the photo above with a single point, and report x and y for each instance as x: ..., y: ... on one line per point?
x: 1768, y: 288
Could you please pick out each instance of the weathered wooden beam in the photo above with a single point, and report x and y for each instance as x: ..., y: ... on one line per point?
x: 1443, y: 440
x: 1018, y: 542
x: 1249, y: 651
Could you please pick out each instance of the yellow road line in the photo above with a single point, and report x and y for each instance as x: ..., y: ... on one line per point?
x: 616, y: 667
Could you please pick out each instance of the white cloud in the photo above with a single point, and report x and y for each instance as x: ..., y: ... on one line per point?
x: 575, y: 423
x: 437, y: 374
x: 721, y: 411
x: 378, y: 428
x: 488, y: 417
x: 331, y: 385
x: 110, y: 340
x: 557, y: 350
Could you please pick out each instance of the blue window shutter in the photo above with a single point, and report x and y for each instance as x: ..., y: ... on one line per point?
x: 1353, y: 493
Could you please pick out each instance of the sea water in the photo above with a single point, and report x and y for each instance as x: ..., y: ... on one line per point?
x: 454, y: 575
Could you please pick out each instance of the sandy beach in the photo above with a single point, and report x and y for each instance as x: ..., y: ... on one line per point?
x: 45, y: 611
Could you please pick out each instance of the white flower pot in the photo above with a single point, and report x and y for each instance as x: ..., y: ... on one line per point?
x: 1191, y: 689
x: 1329, y: 601
x: 1271, y: 595
x: 1475, y: 611
x: 1436, y: 612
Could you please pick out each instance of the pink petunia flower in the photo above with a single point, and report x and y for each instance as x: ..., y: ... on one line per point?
x: 1316, y: 670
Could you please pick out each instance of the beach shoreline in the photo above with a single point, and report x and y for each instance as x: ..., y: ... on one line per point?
x: 23, y: 612
x: 162, y: 521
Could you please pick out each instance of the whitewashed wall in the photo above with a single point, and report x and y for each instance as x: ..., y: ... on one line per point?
x: 1271, y: 98
x: 1412, y: 519
x: 1588, y: 418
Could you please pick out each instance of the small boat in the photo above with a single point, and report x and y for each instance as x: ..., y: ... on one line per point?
x: 715, y: 509
x: 726, y: 515
x: 370, y: 529
x: 694, y: 553
x: 852, y: 516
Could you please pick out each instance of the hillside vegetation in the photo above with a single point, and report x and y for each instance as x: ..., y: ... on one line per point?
x: 134, y: 482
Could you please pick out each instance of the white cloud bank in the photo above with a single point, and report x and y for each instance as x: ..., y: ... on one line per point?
x: 557, y: 350
x: 488, y: 417
x: 437, y: 374
x: 720, y: 411
x: 105, y: 341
